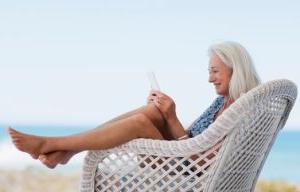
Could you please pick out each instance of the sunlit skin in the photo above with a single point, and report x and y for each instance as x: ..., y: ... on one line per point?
x: 157, y: 119
x: 219, y: 76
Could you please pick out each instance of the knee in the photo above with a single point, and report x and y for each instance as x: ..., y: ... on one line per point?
x: 155, y: 115
x: 141, y: 119
x: 144, y: 127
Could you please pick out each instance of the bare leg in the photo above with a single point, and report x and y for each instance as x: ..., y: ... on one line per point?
x: 152, y: 113
x: 106, y: 136
x: 62, y: 157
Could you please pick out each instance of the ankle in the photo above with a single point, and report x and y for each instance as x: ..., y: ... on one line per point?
x: 46, y: 145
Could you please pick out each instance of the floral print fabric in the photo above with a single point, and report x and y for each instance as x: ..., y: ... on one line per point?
x: 200, y: 124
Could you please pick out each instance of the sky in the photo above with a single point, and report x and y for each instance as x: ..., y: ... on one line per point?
x: 81, y: 63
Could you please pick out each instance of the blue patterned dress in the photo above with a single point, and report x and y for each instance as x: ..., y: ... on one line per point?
x: 200, y: 124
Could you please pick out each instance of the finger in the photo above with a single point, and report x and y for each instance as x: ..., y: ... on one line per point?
x: 150, y: 101
x: 151, y: 93
x: 163, y: 99
x: 155, y: 92
x: 159, y: 101
x: 157, y: 104
x: 162, y: 95
x: 151, y: 98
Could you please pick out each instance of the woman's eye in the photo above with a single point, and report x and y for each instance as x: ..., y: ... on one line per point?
x: 213, y: 72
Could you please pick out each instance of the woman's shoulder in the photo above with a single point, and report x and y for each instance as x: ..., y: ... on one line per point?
x: 215, y: 106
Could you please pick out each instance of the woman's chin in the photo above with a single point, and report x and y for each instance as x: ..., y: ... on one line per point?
x: 220, y: 92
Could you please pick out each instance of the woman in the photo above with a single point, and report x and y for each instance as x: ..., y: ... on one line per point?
x: 230, y: 70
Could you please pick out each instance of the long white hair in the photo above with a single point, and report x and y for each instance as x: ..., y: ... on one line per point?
x: 236, y: 57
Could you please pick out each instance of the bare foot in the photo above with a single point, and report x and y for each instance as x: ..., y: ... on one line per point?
x: 27, y: 143
x: 51, y: 160
x: 68, y: 157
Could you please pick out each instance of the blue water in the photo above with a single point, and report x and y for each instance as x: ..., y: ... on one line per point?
x: 282, y: 163
x: 45, y: 130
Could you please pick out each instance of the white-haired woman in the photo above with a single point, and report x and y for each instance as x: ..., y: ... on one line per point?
x: 231, y: 72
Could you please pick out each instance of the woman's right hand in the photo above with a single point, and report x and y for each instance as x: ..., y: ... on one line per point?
x: 167, y: 107
x: 164, y: 103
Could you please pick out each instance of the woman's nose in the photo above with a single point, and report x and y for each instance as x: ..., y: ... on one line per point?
x: 210, y: 79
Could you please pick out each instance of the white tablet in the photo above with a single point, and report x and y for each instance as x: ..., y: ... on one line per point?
x: 153, y: 81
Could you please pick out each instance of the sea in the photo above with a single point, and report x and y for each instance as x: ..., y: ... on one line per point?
x: 283, y: 162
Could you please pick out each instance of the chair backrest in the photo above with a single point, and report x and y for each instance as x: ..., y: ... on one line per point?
x: 259, y: 114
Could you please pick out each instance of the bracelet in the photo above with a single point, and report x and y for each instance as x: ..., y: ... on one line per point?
x: 183, y: 137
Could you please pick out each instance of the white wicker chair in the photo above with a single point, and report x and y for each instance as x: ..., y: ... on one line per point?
x: 228, y: 156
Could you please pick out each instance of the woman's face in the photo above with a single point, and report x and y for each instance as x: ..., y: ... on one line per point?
x: 219, y: 75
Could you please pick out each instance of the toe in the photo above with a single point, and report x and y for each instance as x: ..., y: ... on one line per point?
x: 48, y: 163
x: 11, y: 130
x: 34, y: 156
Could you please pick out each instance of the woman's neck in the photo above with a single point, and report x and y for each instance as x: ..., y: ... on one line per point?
x: 227, y: 101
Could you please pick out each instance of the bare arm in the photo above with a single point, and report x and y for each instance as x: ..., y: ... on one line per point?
x: 176, y: 128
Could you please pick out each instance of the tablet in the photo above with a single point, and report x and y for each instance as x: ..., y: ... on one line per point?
x: 153, y: 81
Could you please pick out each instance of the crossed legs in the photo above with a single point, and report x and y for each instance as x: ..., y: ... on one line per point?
x: 144, y: 122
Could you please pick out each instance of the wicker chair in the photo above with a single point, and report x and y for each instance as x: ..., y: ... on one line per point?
x: 228, y: 156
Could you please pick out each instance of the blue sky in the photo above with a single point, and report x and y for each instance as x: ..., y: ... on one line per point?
x: 83, y: 62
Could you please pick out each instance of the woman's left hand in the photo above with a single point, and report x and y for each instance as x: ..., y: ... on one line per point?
x: 165, y: 104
